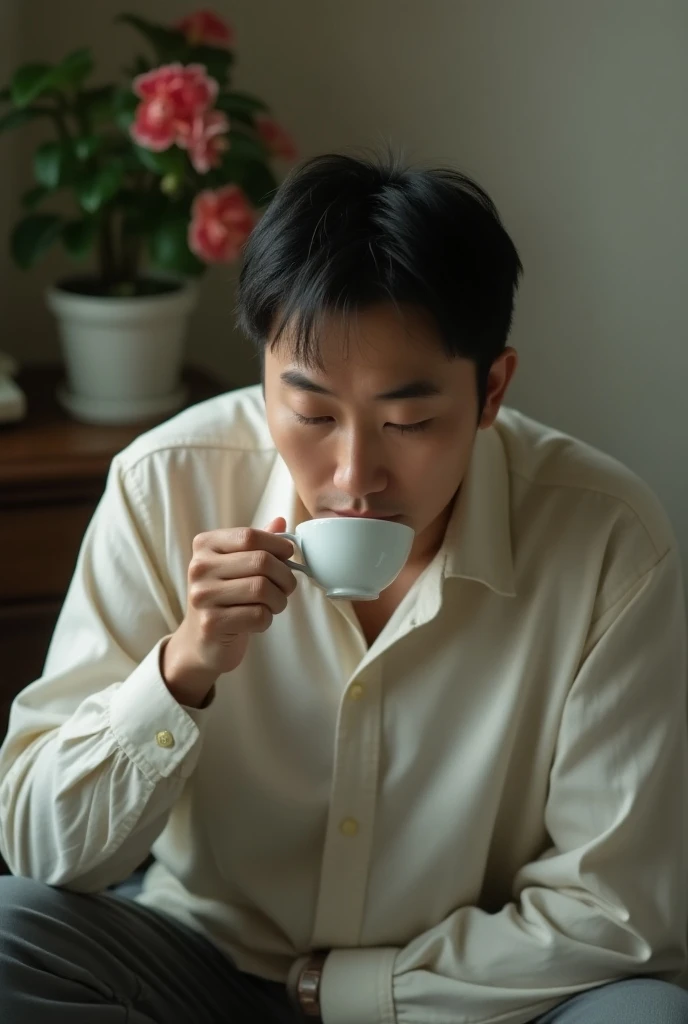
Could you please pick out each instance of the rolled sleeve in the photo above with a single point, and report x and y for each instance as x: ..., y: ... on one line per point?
x: 356, y: 985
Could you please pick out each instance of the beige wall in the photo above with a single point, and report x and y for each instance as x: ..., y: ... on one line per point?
x: 573, y: 115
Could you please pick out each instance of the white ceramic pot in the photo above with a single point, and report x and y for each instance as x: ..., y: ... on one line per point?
x: 123, y: 356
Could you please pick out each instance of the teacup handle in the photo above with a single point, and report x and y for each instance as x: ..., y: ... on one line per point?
x: 295, y: 565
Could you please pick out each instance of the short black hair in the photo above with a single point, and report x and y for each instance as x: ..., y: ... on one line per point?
x: 343, y: 233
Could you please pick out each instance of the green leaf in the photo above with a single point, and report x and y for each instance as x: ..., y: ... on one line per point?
x: 32, y: 236
x: 79, y: 236
x: 31, y: 199
x: 170, y: 161
x: 168, y: 43
x: 243, y: 146
x: 87, y: 146
x: 241, y: 117
x: 216, y: 61
x: 54, y: 164
x: 71, y: 72
x: 125, y: 104
x: 241, y: 105
x: 100, y: 188
x: 169, y: 249
x: 96, y: 104
x: 32, y: 80
x: 29, y: 82
x: 130, y: 161
x: 16, y: 118
x: 255, y: 177
x: 139, y: 66
x: 258, y: 182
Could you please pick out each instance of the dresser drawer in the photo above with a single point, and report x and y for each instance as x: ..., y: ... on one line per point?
x: 39, y: 549
x: 25, y: 632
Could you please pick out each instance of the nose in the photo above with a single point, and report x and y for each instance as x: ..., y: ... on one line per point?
x: 360, y: 467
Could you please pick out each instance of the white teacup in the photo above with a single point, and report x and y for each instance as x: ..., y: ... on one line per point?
x: 352, y: 559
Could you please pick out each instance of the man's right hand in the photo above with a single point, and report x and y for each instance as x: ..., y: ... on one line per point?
x: 237, y: 583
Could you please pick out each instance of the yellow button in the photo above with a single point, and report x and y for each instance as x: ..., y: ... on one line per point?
x: 356, y: 691
x: 349, y: 827
x: 164, y: 738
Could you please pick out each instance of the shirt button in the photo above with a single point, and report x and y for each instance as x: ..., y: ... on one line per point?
x: 349, y: 827
x: 164, y: 738
x: 356, y: 691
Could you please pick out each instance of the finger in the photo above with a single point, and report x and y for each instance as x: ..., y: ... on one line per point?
x: 242, y: 565
x: 278, y: 525
x: 243, y: 538
x: 236, y: 593
x: 241, y: 619
x: 249, y: 619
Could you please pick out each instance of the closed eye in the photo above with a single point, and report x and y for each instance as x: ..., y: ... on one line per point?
x: 410, y: 428
x: 314, y: 421
x: 403, y: 428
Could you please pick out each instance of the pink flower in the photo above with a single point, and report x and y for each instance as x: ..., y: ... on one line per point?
x: 154, y: 127
x: 221, y: 221
x: 206, y: 139
x: 206, y: 27
x: 172, y: 96
x: 276, y: 138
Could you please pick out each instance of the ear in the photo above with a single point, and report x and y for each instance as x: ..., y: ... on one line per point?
x: 498, y: 380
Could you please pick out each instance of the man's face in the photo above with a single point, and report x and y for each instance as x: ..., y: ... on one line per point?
x: 386, y: 427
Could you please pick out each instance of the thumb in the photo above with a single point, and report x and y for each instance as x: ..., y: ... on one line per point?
x: 278, y: 525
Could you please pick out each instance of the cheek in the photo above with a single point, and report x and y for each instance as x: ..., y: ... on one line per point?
x: 432, y: 472
x: 307, y: 462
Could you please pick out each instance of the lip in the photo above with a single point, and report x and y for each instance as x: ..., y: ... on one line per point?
x: 362, y: 515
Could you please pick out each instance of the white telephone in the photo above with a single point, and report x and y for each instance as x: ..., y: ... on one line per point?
x: 12, y: 398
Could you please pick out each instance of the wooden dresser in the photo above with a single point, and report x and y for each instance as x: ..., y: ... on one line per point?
x: 52, y: 473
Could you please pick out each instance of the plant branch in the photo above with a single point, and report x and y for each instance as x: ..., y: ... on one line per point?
x: 81, y: 115
x: 61, y: 124
x: 59, y: 114
x: 106, y: 250
x: 131, y: 254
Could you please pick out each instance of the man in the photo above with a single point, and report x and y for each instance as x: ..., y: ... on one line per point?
x: 464, y: 802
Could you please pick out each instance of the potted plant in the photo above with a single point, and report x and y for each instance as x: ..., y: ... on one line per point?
x: 157, y: 178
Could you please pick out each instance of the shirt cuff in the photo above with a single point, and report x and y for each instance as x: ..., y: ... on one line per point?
x: 293, y: 978
x: 152, y: 728
x: 356, y: 985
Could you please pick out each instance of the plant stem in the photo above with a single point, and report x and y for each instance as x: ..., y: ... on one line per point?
x: 81, y: 115
x: 134, y: 258
x: 61, y: 125
x: 106, y: 250
x: 130, y: 248
x: 59, y: 113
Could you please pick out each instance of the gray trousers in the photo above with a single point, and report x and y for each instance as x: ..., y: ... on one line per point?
x: 71, y: 959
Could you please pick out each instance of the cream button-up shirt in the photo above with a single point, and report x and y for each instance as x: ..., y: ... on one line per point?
x: 481, y: 814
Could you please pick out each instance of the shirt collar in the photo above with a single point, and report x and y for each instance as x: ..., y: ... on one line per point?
x: 477, y: 542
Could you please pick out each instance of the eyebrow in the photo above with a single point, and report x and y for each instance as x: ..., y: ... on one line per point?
x: 414, y: 388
